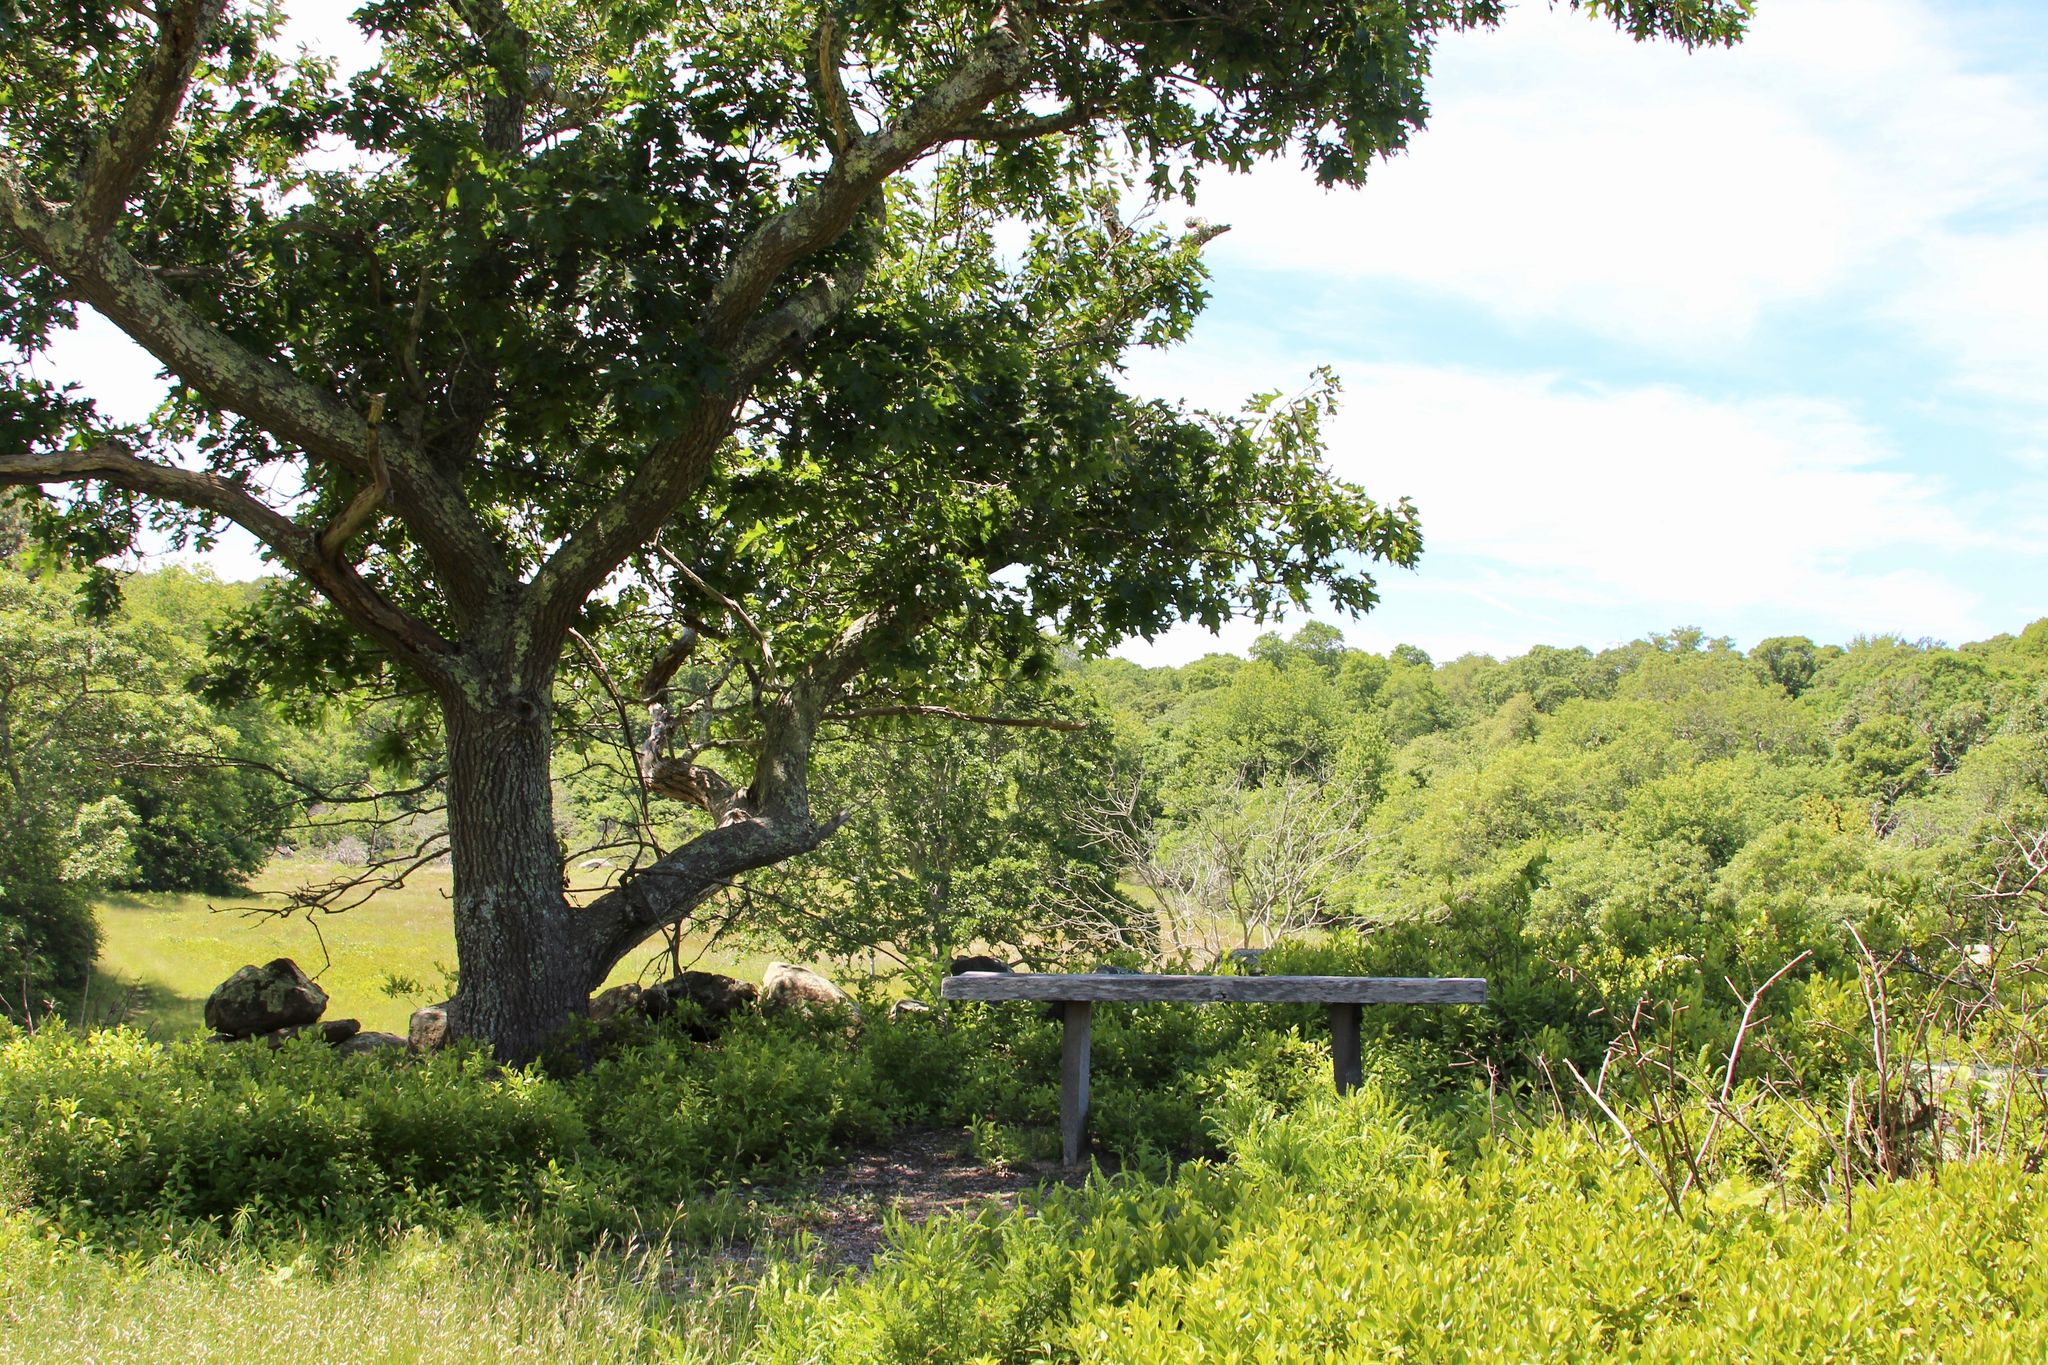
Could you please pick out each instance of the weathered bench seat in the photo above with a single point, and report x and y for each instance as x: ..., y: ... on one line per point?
x: 1077, y: 993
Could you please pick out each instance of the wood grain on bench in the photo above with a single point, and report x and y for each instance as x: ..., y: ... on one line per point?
x: 1314, y: 990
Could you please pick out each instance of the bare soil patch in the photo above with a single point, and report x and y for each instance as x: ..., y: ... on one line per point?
x: 916, y: 1176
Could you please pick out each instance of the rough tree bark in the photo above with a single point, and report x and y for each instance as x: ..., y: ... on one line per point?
x: 516, y: 935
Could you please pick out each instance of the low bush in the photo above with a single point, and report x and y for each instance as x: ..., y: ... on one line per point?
x: 1339, y: 1232
x: 113, y: 1133
x: 109, y: 1127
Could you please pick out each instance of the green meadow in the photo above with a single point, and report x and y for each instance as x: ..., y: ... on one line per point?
x: 162, y: 953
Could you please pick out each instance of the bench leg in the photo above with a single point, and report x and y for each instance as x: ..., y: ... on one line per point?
x: 1076, y: 1017
x: 1344, y: 1050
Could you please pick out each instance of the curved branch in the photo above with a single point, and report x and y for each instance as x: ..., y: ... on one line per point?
x: 230, y: 376
x: 829, y: 89
x: 998, y: 64
x: 666, y: 664
x: 1011, y: 131
x: 415, y: 644
x: 739, y: 613
x: 105, y: 276
x: 119, y: 157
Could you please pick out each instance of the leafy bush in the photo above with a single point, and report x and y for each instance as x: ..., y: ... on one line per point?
x: 47, y: 934
x: 206, y: 830
x: 1337, y: 1232
x: 109, y: 1128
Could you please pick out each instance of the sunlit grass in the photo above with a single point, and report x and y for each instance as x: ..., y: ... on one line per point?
x: 162, y: 954
x: 422, y: 1298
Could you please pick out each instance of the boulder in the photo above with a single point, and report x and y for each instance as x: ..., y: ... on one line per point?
x: 609, y: 1005
x: 903, y: 1009
x: 339, y: 1031
x: 976, y: 962
x: 784, y: 986
x: 362, y: 1044
x: 715, y: 994
x: 428, y: 1030
x: 265, y: 999
x: 708, y: 999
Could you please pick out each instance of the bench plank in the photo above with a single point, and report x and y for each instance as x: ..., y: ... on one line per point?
x: 1317, y: 990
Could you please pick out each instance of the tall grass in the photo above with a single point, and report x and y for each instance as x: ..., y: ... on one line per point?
x: 420, y: 1297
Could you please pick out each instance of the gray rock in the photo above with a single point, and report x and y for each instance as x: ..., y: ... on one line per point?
x: 363, y: 1044
x: 785, y: 986
x: 428, y: 1030
x: 976, y: 962
x: 265, y: 999
x: 607, y: 1005
x: 339, y: 1031
x: 713, y: 995
x: 903, y: 1009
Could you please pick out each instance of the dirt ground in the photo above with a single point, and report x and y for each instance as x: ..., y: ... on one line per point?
x: 916, y: 1176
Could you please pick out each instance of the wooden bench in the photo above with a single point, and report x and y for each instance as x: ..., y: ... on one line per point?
x: 1077, y: 993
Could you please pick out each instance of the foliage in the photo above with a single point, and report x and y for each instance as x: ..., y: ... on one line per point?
x: 1344, y: 1233
x: 957, y: 837
x: 107, y: 776
x: 693, y: 332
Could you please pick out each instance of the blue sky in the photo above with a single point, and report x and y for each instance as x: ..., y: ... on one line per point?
x: 1755, y: 340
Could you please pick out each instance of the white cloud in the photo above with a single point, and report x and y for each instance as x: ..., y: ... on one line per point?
x: 1653, y: 492
x: 1666, y: 198
x: 1983, y: 299
x: 1567, y: 512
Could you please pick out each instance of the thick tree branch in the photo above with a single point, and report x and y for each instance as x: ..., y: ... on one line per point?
x: 119, y: 157
x: 672, y: 657
x: 363, y: 508
x: 105, y: 276
x: 618, y: 921
x: 505, y: 46
x: 997, y: 65
x: 1010, y: 131
x: 1000, y: 63
x: 411, y: 642
x: 235, y: 379
x: 802, y: 316
x: 829, y: 88
x: 767, y: 823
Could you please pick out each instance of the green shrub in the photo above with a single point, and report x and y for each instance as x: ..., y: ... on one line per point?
x: 109, y: 1127
x: 1338, y: 1232
x: 47, y: 934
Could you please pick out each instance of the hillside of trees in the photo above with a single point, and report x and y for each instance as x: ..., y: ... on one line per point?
x: 1670, y: 818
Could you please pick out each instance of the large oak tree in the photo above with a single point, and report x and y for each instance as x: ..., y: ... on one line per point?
x: 771, y: 344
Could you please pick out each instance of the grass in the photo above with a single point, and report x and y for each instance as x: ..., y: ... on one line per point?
x: 420, y: 1298
x: 162, y: 954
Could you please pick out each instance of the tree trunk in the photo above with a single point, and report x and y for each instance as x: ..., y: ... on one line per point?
x: 522, y: 973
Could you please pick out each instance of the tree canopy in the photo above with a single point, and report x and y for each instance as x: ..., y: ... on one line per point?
x: 685, y: 332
